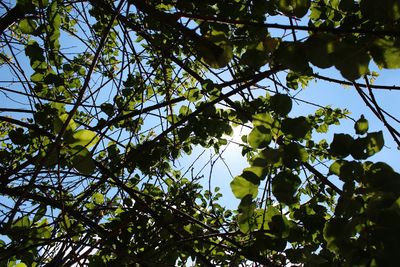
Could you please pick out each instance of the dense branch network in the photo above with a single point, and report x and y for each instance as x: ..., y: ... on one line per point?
x: 108, y: 104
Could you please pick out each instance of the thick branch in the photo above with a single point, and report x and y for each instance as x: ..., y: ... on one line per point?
x: 10, y: 18
x: 322, y: 178
x: 286, y: 27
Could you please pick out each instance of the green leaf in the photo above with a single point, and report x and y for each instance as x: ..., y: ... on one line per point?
x: 59, y: 122
x: 245, y: 218
x: 272, y: 221
x: 36, y: 57
x: 107, y: 108
x: 98, y: 198
x: 65, y: 222
x: 262, y: 119
x: 52, y: 78
x: 292, y: 56
x: 375, y: 143
x: 269, y: 156
x: 18, y: 137
x: 21, y: 223
x: 336, y: 233
x: 296, y: 128
x: 347, y: 5
x: 254, y: 58
x: 215, y: 49
x: 292, y: 80
x: 51, y: 156
x: 264, y: 217
x: 184, y: 111
x: 351, y: 171
x: 84, y: 138
x: 363, y: 148
x: 26, y: 5
x: 298, y: 8
x: 319, y: 49
x: 386, y: 53
x: 259, y: 137
x: 284, y: 186
x: 241, y: 187
x: 396, y: 206
x: 341, y: 145
x: 358, y: 148
x: 193, y: 95
x: 75, y: 83
x: 293, y: 155
x: 27, y: 26
x: 281, y: 104
x: 255, y: 173
x: 82, y: 160
x: 361, y: 125
x: 350, y: 60
x: 382, y: 11
x: 40, y: 213
x: 335, y: 167
x: 381, y: 177
x: 43, y: 232
x: 56, y: 22
x: 37, y: 77
x: 323, y: 128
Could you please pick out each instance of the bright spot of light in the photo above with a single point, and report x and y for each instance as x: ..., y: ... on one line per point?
x: 235, y: 141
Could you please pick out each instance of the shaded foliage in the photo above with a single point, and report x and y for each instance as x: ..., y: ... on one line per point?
x: 117, y: 93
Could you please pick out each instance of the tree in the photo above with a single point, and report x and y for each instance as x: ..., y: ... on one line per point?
x: 116, y: 93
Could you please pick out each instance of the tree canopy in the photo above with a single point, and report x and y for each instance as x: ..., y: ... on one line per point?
x: 105, y: 99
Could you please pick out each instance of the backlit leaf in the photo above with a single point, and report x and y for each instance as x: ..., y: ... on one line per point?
x: 21, y: 223
x: 215, y: 49
x: 255, y: 173
x: 241, y: 187
x: 335, y: 167
x: 98, y: 198
x: 59, y: 122
x: 259, y: 137
x: 386, y: 53
x: 375, y: 142
x: 297, y: 8
x: 350, y: 60
x: 85, y: 138
x: 262, y: 119
x: 27, y: 26
x: 246, y: 210
x: 361, y: 125
x: 82, y: 160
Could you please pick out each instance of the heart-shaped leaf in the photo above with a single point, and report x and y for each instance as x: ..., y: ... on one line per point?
x: 241, y: 187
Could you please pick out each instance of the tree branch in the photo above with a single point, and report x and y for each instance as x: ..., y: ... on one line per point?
x: 10, y: 18
x: 285, y: 27
x: 322, y: 178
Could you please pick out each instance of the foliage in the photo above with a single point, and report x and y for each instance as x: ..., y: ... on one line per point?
x: 117, y: 93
